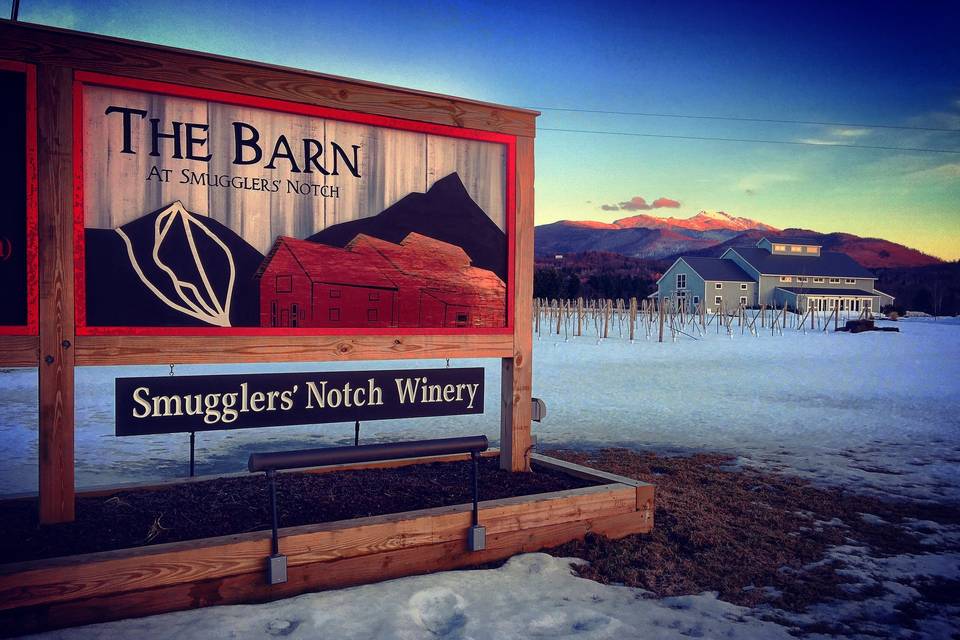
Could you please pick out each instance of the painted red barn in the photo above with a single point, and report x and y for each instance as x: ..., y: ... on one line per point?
x: 421, y: 282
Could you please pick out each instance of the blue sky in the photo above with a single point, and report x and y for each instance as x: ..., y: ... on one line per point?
x: 851, y: 62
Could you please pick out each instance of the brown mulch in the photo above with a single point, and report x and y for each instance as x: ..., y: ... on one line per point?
x: 745, y: 534
x: 227, y: 506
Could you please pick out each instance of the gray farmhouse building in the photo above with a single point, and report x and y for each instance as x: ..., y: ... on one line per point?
x: 779, y: 271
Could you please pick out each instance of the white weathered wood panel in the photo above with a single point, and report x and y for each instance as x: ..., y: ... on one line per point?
x: 482, y: 168
x: 116, y: 189
x: 393, y: 163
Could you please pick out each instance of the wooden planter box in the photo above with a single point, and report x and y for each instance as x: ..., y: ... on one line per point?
x: 97, y: 587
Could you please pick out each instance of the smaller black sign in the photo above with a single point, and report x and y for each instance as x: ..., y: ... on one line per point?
x: 174, y: 404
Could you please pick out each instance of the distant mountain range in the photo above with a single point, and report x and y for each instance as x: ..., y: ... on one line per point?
x: 707, y: 233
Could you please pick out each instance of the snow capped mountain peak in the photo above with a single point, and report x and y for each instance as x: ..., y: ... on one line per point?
x: 714, y: 215
x: 702, y: 221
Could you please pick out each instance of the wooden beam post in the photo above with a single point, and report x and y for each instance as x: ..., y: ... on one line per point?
x: 516, y: 380
x: 55, y: 213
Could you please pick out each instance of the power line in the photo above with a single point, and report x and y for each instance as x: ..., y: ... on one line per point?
x: 739, y: 119
x: 790, y: 142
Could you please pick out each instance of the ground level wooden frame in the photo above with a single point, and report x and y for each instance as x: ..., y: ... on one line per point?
x: 97, y: 587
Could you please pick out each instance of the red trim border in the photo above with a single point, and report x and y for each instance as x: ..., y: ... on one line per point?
x: 33, y: 269
x: 83, y: 78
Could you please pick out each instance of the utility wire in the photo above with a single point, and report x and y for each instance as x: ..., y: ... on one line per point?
x: 739, y: 119
x: 790, y: 142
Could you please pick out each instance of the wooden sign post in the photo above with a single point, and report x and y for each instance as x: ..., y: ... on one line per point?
x: 189, y: 206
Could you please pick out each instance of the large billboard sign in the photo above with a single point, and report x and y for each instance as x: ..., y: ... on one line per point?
x: 209, y: 212
x: 18, y: 213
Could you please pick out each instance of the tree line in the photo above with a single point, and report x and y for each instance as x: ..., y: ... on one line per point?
x: 595, y: 275
x: 933, y: 289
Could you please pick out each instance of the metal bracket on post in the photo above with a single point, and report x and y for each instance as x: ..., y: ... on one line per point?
x: 356, y: 434
x: 193, y: 442
x: 193, y: 438
x: 539, y: 409
x: 276, y: 563
x: 477, y: 536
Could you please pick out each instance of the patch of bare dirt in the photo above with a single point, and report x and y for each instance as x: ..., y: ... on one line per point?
x: 754, y: 537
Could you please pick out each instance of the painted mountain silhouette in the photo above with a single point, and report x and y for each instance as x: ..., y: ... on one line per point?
x: 171, y: 267
x: 445, y: 212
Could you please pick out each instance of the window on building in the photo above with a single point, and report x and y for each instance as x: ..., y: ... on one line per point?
x: 812, y: 250
x: 294, y: 315
x: 851, y: 281
x: 820, y: 280
x: 834, y: 280
x: 696, y: 299
x: 779, y: 247
x: 743, y: 286
x: 786, y: 279
x: 718, y: 300
x: 373, y: 297
x: 371, y: 315
x: 284, y: 284
x: 273, y: 313
x: 796, y: 249
x: 334, y: 314
x: 681, y: 281
x: 461, y: 319
x: 743, y: 300
x: 334, y: 293
x: 719, y: 285
x: 802, y: 278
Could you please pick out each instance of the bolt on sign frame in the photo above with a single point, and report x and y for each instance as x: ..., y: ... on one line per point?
x: 67, y: 64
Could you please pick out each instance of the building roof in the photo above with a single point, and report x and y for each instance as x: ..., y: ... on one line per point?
x: 791, y: 240
x: 826, y: 264
x: 323, y: 263
x: 717, y: 269
x: 808, y: 291
x: 416, y: 254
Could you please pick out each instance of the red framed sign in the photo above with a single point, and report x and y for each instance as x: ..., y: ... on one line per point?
x: 18, y: 215
x: 207, y: 212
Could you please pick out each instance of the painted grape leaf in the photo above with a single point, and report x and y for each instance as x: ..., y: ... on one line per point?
x: 200, y: 285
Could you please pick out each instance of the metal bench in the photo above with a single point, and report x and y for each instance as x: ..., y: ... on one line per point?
x: 272, y: 462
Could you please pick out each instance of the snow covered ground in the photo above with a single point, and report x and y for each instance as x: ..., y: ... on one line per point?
x: 875, y: 412
x: 532, y: 596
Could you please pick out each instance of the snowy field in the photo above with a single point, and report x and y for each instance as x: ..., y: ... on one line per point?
x: 875, y: 412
